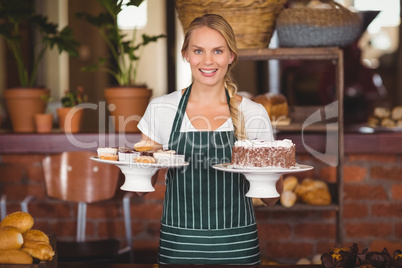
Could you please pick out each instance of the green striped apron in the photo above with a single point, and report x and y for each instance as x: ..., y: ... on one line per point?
x: 206, y: 219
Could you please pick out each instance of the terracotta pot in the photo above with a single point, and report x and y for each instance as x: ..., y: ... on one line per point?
x: 70, y: 119
x: 43, y: 123
x: 127, y: 105
x: 22, y: 105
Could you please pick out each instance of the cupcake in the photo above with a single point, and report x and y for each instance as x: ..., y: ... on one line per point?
x: 374, y: 259
x: 340, y: 257
x: 108, y: 153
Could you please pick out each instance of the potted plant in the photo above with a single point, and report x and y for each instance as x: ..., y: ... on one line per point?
x: 44, y: 121
x: 70, y: 115
x: 128, y: 100
x: 13, y: 16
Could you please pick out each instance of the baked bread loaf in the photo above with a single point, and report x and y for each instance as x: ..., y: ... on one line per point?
x: 317, y: 197
x: 290, y: 183
x: 23, y: 221
x: 275, y: 104
x: 10, y: 238
x: 36, y: 235
x: 15, y: 256
x: 396, y: 113
x: 288, y: 199
x: 38, y: 249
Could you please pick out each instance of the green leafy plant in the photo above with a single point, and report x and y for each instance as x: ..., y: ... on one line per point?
x: 72, y: 98
x: 126, y: 54
x: 16, y: 13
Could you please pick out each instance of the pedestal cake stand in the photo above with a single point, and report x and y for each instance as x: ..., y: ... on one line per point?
x: 262, y: 180
x: 138, y: 175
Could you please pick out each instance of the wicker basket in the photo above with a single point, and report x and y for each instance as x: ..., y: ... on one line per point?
x: 310, y: 27
x: 253, y: 21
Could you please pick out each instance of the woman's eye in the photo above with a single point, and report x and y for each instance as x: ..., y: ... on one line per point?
x: 218, y: 51
x: 198, y: 51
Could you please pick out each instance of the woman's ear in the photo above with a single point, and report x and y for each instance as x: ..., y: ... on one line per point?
x: 231, y: 57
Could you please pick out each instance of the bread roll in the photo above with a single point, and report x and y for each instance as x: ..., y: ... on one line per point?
x: 36, y: 235
x: 381, y: 112
x: 318, y: 197
x: 23, y: 221
x: 396, y: 113
x: 275, y: 104
x: 15, y: 256
x: 290, y: 183
x: 37, y: 249
x: 288, y: 199
x: 10, y: 238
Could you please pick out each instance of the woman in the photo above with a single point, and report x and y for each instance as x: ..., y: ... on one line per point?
x: 207, y: 219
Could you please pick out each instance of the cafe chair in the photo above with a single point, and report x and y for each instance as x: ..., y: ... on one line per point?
x: 74, y: 177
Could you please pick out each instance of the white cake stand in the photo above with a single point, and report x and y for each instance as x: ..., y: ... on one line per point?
x: 138, y: 176
x: 262, y: 180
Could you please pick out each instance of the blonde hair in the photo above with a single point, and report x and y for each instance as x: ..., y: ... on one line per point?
x: 218, y: 23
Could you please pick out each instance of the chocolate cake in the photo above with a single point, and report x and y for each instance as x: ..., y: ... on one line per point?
x: 263, y: 154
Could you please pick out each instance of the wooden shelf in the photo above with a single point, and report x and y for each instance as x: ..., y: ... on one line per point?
x: 319, y: 53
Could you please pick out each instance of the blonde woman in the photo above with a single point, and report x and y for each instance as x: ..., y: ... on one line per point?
x: 207, y: 219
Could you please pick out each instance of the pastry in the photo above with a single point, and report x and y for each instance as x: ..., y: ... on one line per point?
x: 108, y: 153
x: 23, y: 221
x: 15, y: 256
x: 36, y: 235
x: 396, y: 113
x: 387, y: 122
x: 382, y: 112
x: 259, y: 153
x: 127, y: 155
x: 288, y: 199
x: 10, y: 238
x: 275, y: 104
x: 317, y: 197
x: 143, y: 145
x: 38, y: 249
x: 145, y: 159
x: 290, y: 183
x: 168, y: 157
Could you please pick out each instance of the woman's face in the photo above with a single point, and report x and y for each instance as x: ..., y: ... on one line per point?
x: 209, y: 56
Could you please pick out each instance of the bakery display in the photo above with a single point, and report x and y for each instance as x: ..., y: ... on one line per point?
x: 263, y: 154
x: 142, y: 152
x: 276, y: 106
x: 108, y: 153
x: 19, y: 244
x: 307, y: 191
x: 386, y: 117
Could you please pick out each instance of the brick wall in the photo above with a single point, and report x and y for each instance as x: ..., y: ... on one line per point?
x: 372, y: 215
